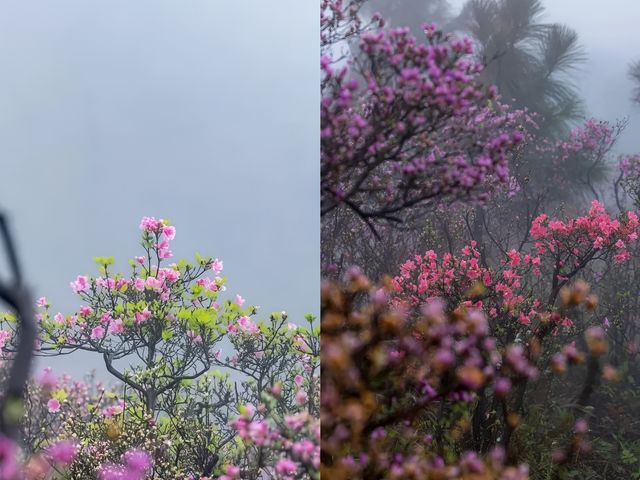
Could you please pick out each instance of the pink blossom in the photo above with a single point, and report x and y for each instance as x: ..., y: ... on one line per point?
x: 301, y: 397
x: 286, y: 466
x: 9, y: 466
x: 239, y: 300
x: 53, y: 405
x: 193, y: 336
x: 42, y: 302
x: 169, y: 232
x: 149, y: 224
x: 48, y: 379
x: 97, y: 332
x: 137, y: 460
x: 81, y: 284
x: 247, y: 325
x: 216, y: 266
x: 63, y: 452
x: 139, y: 284
x: 116, y: 326
x: 142, y: 316
x: 58, y: 318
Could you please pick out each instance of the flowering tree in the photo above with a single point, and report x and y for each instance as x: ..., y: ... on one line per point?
x: 400, y: 390
x: 213, y: 393
x: 167, y: 316
x: 411, y: 124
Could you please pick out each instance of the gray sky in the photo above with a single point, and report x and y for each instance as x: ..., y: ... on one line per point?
x: 611, y: 40
x: 201, y: 111
x: 610, y: 36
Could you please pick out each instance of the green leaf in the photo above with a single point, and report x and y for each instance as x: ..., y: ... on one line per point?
x: 167, y: 335
x: 206, y: 317
x: 104, y: 260
x: 13, y: 411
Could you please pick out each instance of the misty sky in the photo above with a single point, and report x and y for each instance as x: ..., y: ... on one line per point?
x: 609, y: 34
x: 202, y: 112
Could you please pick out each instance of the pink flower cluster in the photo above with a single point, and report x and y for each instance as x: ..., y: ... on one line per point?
x: 410, y: 123
x: 163, y: 232
x: 463, y: 282
x: 243, y: 325
x: 585, y: 237
x: 135, y: 465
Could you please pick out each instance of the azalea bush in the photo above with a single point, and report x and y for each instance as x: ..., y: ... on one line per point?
x: 401, y: 390
x: 202, y: 389
x: 404, y: 124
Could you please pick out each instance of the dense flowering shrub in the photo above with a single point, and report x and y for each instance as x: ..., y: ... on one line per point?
x: 561, y: 250
x: 410, y: 124
x: 402, y: 392
x: 383, y: 372
x: 213, y: 393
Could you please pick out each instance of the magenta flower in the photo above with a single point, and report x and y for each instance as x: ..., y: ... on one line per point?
x: 97, y: 332
x: 81, y: 284
x: 217, y: 266
x: 137, y: 460
x: 116, y: 326
x: 149, y: 224
x: 63, y: 452
x: 169, y: 232
x: 286, y: 466
x: 53, y: 405
x: 8, y: 462
x: 48, y: 379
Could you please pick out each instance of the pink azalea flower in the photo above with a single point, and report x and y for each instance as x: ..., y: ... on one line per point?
x: 42, y: 302
x: 48, y: 379
x: 97, y: 332
x: 4, y: 336
x: 137, y: 460
x: 286, y: 466
x: 301, y: 397
x: 58, y: 318
x: 232, y: 471
x: 138, y: 284
x: 142, y: 316
x: 8, y: 458
x: 217, y: 266
x: 154, y: 283
x: 63, y: 452
x: 53, y: 405
x: 149, y: 224
x: 169, y: 232
x: 81, y: 284
x: 116, y: 326
x: 239, y: 300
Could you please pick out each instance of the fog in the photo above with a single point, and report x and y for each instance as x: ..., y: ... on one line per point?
x: 609, y: 37
x: 205, y: 113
